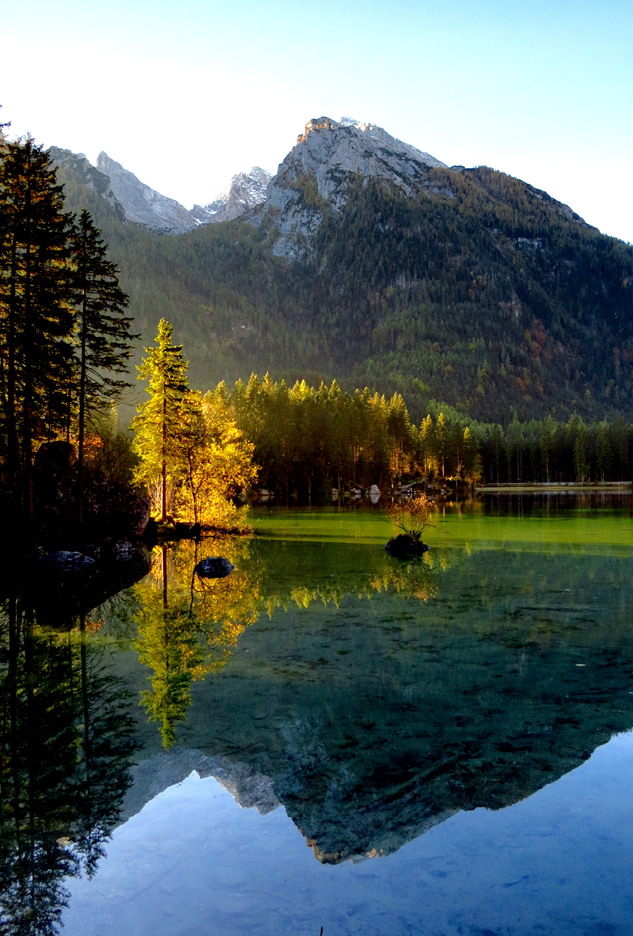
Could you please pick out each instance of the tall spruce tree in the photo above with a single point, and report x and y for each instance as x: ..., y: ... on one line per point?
x: 36, y: 315
x: 157, y: 425
x: 103, y: 330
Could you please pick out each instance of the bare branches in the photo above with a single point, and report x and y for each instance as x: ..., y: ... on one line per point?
x: 411, y: 516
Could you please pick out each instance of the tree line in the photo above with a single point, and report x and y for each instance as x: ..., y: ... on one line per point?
x: 307, y: 441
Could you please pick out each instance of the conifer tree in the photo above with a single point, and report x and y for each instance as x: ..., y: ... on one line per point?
x: 103, y: 329
x: 36, y: 293
x: 157, y: 425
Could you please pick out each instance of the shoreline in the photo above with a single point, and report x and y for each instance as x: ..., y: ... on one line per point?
x: 553, y: 487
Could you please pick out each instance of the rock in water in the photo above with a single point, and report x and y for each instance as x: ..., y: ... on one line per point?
x: 64, y: 561
x: 214, y: 567
x: 405, y: 547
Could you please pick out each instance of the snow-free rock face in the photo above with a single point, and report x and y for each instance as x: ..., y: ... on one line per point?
x: 134, y: 201
x: 85, y: 173
x: 143, y: 204
x: 329, y: 152
x: 244, y: 191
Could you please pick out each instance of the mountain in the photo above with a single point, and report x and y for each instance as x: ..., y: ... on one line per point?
x: 143, y: 204
x: 329, y: 153
x: 246, y: 190
x: 132, y: 200
x: 375, y: 263
x: 80, y: 174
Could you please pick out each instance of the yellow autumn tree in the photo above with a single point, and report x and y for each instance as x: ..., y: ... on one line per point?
x: 215, y: 463
x: 192, y: 458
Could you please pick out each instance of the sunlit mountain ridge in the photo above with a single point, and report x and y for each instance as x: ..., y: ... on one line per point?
x: 367, y: 260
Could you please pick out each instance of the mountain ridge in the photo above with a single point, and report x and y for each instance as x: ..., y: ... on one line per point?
x: 374, y: 263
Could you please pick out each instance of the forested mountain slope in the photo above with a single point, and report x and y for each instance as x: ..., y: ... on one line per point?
x: 384, y: 268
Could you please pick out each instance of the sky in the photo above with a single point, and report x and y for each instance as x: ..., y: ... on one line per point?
x: 184, y: 94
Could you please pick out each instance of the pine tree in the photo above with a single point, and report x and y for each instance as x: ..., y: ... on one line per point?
x: 157, y: 425
x: 103, y: 329
x: 36, y: 317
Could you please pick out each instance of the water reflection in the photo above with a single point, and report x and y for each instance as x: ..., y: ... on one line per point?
x: 187, y: 626
x: 373, y: 720
x: 67, y: 745
x: 372, y: 698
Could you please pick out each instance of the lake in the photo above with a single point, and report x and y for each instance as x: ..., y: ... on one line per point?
x: 330, y: 738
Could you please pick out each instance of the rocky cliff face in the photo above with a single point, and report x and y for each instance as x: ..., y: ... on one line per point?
x: 246, y: 190
x: 132, y: 200
x: 317, y: 169
x: 84, y: 173
x: 143, y: 204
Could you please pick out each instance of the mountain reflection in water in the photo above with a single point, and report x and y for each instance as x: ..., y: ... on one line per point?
x: 371, y: 698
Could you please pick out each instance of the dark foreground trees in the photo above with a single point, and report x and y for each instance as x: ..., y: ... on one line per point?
x: 36, y: 312
x: 64, y: 334
x: 103, y: 330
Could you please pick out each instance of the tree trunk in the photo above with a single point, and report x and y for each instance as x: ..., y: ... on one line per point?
x: 82, y: 388
x: 27, y: 408
x: 163, y: 493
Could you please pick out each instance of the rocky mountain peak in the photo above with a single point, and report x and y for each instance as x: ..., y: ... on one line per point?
x: 330, y: 152
x: 317, y: 123
x: 243, y: 192
x: 142, y: 204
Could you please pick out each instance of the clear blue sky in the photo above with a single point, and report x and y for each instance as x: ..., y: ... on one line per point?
x: 185, y: 94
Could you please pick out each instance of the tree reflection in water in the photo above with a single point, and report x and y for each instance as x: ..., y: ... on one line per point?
x: 188, y: 625
x: 66, y: 746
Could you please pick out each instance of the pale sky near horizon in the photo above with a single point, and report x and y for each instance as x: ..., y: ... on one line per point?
x: 186, y: 94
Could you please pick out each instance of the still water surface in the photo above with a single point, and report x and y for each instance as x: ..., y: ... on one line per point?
x: 451, y: 738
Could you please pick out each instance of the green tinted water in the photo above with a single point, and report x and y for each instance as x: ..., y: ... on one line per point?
x: 473, y: 524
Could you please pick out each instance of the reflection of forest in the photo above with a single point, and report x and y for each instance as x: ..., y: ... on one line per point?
x: 372, y: 720
x: 66, y: 744
x: 188, y: 625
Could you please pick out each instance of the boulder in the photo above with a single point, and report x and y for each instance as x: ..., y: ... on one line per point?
x: 405, y: 547
x: 214, y: 567
x: 64, y: 561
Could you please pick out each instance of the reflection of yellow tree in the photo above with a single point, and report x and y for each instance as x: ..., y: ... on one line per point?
x: 416, y: 578
x: 187, y: 627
